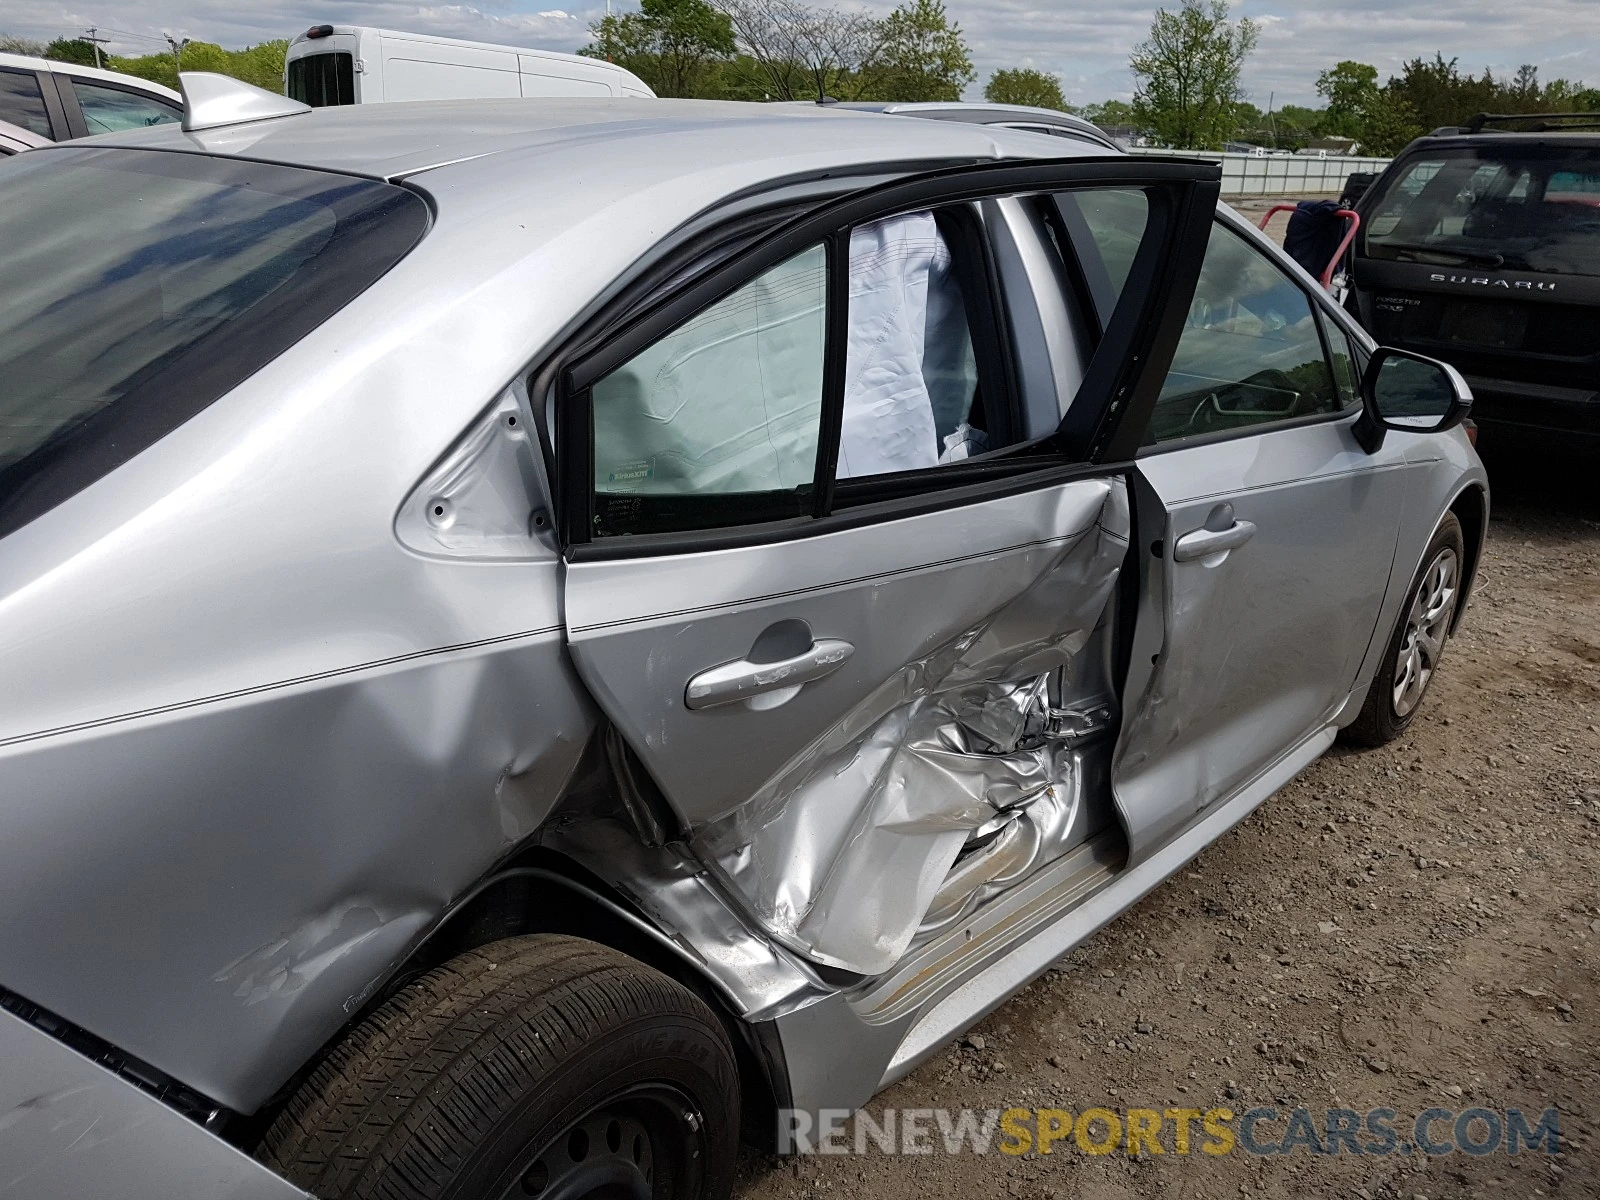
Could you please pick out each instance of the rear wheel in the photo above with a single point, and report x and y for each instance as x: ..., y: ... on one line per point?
x: 1417, y: 643
x: 538, y: 1066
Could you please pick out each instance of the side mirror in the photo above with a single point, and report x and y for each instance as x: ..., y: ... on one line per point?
x: 1411, y: 394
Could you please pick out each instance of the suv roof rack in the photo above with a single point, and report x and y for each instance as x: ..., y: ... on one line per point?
x: 1543, y: 122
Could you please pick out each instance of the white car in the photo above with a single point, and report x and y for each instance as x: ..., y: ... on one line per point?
x: 58, y: 100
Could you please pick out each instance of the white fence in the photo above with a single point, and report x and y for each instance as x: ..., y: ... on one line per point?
x: 1280, y: 174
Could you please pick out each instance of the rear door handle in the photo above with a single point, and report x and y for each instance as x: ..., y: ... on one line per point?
x: 746, y: 680
x: 1205, y: 542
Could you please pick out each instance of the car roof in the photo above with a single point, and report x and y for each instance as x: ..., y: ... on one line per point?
x: 390, y: 141
x: 27, y: 62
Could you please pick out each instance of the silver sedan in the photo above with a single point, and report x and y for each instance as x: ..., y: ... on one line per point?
x: 541, y: 637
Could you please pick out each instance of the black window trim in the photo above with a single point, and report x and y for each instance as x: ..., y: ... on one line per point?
x: 1348, y: 412
x: 60, y: 104
x: 1093, y: 439
x: 72, y: 111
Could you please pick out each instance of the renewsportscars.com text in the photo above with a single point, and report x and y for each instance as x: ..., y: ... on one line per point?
x: 1259, y: 1131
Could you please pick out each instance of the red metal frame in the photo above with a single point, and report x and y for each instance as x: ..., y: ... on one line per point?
x: 1349, y: 236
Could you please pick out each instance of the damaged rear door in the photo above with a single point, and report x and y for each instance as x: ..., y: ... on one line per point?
x: 840, y: 580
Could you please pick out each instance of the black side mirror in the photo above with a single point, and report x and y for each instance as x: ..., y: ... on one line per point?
x: 1411, y: 394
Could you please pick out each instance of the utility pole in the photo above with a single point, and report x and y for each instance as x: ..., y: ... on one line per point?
x: 1271, y: 124
x: 177, y: 45
x: 92, y: 36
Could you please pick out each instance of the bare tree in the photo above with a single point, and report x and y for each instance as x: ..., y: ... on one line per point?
x: 791, y: 50
x: 21, y: 45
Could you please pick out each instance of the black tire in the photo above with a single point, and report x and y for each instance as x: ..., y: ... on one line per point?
x: 1380, y: 720
x: 521, y: 1068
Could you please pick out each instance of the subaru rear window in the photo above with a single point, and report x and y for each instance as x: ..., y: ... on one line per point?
x: 1528, y: 208
x: 140, y: 286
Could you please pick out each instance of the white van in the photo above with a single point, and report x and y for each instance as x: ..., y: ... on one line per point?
x: 353, y: 64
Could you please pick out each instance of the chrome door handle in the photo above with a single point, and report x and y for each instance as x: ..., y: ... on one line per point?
x: 1204, y: 542
x: 746, y: 680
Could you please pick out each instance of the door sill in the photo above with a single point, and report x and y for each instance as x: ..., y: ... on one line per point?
x: 989, y: 934
x: 1027, y: 933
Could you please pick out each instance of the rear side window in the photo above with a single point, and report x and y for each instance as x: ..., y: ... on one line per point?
x: 1523, y: 207
x: 110, y: 109
x: 21, y: 102
x: 140, y: 286
x: 322, y: 80
x: 727, y: 404
x: 719, y: 422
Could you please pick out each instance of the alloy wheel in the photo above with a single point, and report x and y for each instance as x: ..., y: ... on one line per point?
x: 1427, y: 626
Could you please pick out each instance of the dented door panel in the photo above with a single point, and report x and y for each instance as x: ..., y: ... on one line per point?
x: 837, y: 815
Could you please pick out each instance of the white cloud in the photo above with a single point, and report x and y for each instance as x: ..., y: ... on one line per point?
x: 1086, y: 42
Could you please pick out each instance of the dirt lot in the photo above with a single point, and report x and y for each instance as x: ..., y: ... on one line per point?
x: 1401, y: 928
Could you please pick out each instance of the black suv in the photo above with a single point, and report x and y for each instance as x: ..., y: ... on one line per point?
x: 1481, y: 246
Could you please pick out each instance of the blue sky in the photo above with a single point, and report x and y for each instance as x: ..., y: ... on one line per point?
x: 1085, y: 42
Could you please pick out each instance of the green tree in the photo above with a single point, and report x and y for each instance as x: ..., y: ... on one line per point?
x: 678, y: 47
x: 1381, y: 119
x: 1294, y: 126
x: 1250, y: 124
x: 1388, y: 123
x: 1109, y: 112
x: 1024, y: 85
x: 1188, y: 74
x: 1351, y: 88
x: 918, y: 54
x: 261, y: 65
x: 1437, y: 93
x: 72, y: 50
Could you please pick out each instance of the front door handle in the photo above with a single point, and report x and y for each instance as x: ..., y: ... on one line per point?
x: 758, y: 681
x: 1202, y: 543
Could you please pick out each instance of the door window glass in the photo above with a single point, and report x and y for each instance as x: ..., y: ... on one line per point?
x: 727, y: 405
x: 1346, y: 376
x: 1250, y: 352
x: 1106, y: 226
x: 21, y: 102
x: 911, y: 379
x: 109, y: 110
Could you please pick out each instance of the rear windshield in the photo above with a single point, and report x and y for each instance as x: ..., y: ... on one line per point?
x: 140, y: 286
x: 321, y: 80
x: 1528, y: 208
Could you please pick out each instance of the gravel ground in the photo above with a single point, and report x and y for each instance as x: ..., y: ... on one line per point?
x: 1406, y: 927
